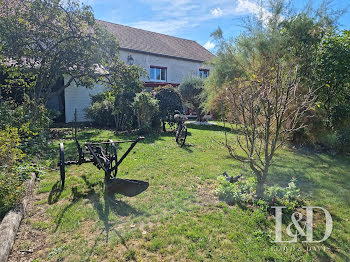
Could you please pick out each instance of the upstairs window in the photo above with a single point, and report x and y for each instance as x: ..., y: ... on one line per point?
x: 203, y: 73
x: 157, y: 73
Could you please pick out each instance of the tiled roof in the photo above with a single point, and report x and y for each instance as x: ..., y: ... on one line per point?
x: 150, y: 42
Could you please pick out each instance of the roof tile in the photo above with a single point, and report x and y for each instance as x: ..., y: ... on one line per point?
x: 155, y: 43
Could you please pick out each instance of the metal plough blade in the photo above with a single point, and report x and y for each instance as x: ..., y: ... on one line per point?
x: 126, y: 187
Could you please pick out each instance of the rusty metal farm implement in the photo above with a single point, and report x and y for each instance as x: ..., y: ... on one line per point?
x: 104, y: 155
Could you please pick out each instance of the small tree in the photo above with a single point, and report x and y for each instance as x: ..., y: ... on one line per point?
x: 169, y: 100
x: 124, y: 83
x: 268, y: 109
x: 101, y: 109
x: 146, y: 108
x: 255, y: 78
x: 191, y: 90
x: 333, y: 76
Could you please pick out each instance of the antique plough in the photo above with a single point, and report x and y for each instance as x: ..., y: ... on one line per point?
x: 104, y: 156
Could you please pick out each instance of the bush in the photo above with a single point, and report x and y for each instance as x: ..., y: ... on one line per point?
x: 244, y: 191
x: 31, y: 121
x: 102, y: 109
x: 9, y: 143
x: 344, y: 140
x: 241, y: 191
x: 11, y: 184
x: 191, y: 90
x: 110, y: 110
x: 11, y: 191
x: 169, y: 100
x: 146, y: 110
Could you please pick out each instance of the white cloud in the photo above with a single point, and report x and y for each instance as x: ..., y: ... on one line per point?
x: 217, y: 12
x: 248, y: 7
x: 173, y: 16
x: 209, y: 45
x: 164, y: 27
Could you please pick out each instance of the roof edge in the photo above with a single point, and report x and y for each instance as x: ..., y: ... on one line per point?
x: 145, y: 30
x: 163, y: 55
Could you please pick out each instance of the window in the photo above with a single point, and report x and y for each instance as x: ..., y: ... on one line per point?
x: 157, y: 73
x: 203, y: 73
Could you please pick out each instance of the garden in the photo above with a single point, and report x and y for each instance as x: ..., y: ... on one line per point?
x: 180, y: 216
x: 280, y: 137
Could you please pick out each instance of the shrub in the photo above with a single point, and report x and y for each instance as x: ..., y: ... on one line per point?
x: 11, y: 184
x: 146, y: 110
x: 244, y: 191
x: 31, y: 121
x: 169, y: 100
x: 124, y: 116
x: 11, y: 191
x: 110, y: 110
x: 241, y: 191
x: 344, y: 139
x: 101, y: 109
x: 9, y: 143
x: 191, y: 90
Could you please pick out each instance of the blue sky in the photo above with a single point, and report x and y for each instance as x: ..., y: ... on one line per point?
x: 189, y: 19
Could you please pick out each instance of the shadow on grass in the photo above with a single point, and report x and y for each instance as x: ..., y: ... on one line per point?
x: 103, y: 208
x: 187, y: 147
x: 89, y: 134
x: 214, y: 128
x: 76, y: 197
x: 324, y: 179
x: 316, y: 176
x: 332, y: 244
x: 55, y: 193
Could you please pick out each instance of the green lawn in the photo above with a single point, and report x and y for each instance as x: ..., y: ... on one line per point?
x: 179, y: 218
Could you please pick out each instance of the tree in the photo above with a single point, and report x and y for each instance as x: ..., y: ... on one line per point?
x: 48, y: 39
x: 259, y: 85
x: 333, y: 76
x: 146, y: 108
x: 169, y: 101
x: 114, y: 107
x: 191, y: 90
x: 124, y: 82
x: 267, y: 108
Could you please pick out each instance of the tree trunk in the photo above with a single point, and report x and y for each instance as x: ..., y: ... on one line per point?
x: 163, y: 123
x: 198, y: 112
x: 260, y: 189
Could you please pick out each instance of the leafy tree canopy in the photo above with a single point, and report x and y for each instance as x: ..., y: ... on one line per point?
x: 169, y: 101
x: 265, y: 80
x: 191, y: 90
x: 49, y: 39
x: 333, y: 76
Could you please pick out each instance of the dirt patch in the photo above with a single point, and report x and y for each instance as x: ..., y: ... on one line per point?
x: 30, y: 241
x: 206, y: 194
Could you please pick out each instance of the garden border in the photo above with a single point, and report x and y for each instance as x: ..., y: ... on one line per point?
x: 11, y: 222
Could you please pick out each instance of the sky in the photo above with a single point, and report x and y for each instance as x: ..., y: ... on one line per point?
x: 190, y: 19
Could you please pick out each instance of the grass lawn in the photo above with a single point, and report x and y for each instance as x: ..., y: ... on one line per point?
x: 178, y: 218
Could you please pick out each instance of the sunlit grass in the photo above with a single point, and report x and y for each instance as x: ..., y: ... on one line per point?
x: 178, y: 217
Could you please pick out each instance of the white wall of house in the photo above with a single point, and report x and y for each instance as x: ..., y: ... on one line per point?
x: 177, y: 69
x: 79, y: 97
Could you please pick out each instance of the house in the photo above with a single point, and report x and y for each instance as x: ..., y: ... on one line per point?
x: 168, y: 60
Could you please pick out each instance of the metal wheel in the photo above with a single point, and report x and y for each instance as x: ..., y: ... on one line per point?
x: 62, y: 165
x: 113, y: 159
x: 181, y: 136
